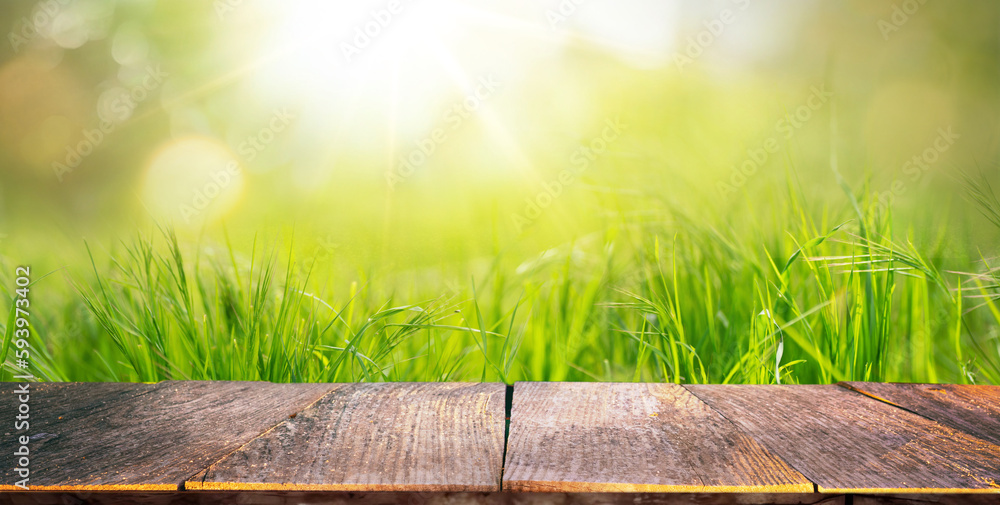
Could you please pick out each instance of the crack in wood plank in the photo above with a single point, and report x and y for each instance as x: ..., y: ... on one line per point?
x: 847, y: 442
x: 633, y: 437
x: 144, y: 436
x: 203, y: 472
x: 377, y: 437
x: 974, y: 410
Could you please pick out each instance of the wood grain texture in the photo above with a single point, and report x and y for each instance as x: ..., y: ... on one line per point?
x: 142, y: 437
x: 972, y: 409
x: 412, y: 498
x: 578, y: 437
x: 847, y: 442
x: 377, y: 437
x: 925, y: 499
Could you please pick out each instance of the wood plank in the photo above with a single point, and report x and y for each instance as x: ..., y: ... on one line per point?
x: 142, y: 437
x: 972, y: 409
x: 377, y: 437
x: 579, y: 437
x: 416, y: 498
x: 412, y: 498
x: 925, y: 499
x: 849, y: 443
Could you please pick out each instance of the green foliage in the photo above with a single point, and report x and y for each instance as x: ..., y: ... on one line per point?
x: 685, y: 302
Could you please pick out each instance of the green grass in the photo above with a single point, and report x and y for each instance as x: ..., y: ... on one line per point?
x: 728, y: 228
x: 809, y: 297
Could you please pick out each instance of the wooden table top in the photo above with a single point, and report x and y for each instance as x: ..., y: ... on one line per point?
x: 864, y: 439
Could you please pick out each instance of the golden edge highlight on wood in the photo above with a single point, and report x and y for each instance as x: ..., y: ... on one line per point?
x: 197, y: 481
x: 95, y: 487
x: 872, y: 396
x: 264, y: 486
x: 911, y: 490
x: 618, y: 487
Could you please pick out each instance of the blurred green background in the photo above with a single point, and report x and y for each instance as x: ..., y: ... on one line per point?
x: 582, y: 190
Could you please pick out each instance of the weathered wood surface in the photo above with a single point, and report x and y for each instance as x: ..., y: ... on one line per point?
x: 414, y: 498
x: 847, y: 442
x: 424, y: 443
x: 972, y: 409
x: 377, y: 437
x: 577, y: 437
x: 924, y: 499
x: 140, y: 436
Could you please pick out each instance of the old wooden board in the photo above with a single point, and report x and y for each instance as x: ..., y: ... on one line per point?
x: 577, y: 437
x: 972, y: 409
x: 847, y: 442
x: 101, y: 437
x: 925, y: 499
x: 417, y: 498
x: 377, y: 437
x: 51, y: 409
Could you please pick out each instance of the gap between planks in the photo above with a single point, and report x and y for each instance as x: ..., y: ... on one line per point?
x: 508, y: 404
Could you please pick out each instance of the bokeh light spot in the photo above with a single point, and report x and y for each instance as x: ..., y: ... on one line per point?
x: 191, y: 181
